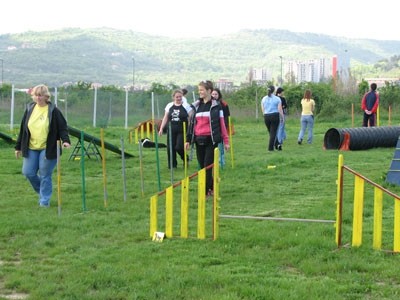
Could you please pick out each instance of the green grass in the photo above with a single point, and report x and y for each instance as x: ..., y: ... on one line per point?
x: 107, y: 253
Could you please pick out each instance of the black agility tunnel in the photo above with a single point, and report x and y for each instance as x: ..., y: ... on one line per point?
x: 361, y: 138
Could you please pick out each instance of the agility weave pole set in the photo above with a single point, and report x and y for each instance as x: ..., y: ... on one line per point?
x: 81, y: 158
x: 184, y: 204
x: 358, y: 207
x: 147, y: 132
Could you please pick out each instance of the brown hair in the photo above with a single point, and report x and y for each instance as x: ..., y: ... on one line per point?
x: 207, y: 84
x: 219, y: 93
x: 307, y: 94
x: 176, y: 92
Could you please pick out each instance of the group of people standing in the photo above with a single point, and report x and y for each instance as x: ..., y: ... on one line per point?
x: 43, y: 125
x: 275, y: 109
x: 206, y: 121
x: 206, y: 126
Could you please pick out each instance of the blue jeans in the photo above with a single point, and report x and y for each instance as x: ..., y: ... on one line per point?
x: 281, y: 135
x: 38, y: 170
x: 306, y: 122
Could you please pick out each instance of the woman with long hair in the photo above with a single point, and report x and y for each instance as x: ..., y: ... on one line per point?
x: 206, y: 129
x: 307, y: 117
x: 271, y: 107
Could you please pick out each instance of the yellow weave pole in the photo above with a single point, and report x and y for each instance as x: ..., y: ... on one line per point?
x: 377, y: 235
x: 153, y: 214
x: 201, y: 205
x: 339, y: 201
x: 142, y: 131
x: 216, y: 179
x: 230, y: 141
x: 169, y: 211
x: 185, y: 161
x: 136, y: 135
x: 148, y: 131
x: 185, y: 207
x: 130, y: 136
x: 396, y: 238
x: 59, y: 176
x: 390, y: 115
x: 103, y: 161
x: 153, y: 129
x: 378, y: 117
x: 352, y: 115
x: 358, y: 211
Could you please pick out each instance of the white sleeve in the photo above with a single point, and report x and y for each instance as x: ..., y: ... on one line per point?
x: 168, y: 106
x: 187, y: 107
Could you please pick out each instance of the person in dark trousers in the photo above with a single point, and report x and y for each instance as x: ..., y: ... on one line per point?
x: 217, y: 95
x: 271, y: 107
x: 176, y: 113
x: 369, y: 104
x: 41, y: 127
x: 206, y: 129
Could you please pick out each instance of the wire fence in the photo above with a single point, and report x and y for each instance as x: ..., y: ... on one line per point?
x: 98, y: 108
x: 92, y: 107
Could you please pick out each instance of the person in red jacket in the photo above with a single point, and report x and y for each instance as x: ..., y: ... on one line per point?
x: 206, y: 130
x: 369, y: 104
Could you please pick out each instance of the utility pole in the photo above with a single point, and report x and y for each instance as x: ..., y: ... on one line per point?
x: 133, y: 73
x: 2, y: 73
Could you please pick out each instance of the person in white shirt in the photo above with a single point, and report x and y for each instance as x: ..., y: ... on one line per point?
x: 176, y: 113
x: 184, y: 92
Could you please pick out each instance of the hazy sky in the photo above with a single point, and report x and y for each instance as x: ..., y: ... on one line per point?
x: 189, y: 18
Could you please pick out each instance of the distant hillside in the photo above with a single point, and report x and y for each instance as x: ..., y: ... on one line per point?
x: 104, y: 55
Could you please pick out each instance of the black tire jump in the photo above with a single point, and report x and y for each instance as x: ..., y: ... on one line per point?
x: 361, y: 138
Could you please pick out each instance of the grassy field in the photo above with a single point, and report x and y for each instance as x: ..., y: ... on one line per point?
x: 107, y: 253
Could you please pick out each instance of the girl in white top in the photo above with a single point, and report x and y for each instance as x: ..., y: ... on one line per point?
x: 176, y: 113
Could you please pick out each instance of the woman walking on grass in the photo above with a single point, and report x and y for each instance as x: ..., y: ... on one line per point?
x: 176, y: 114
x: 217, y: 95
x: 271, y: 106
x: 307, y: 117
x: 41, y: 127
x: 206, y: 129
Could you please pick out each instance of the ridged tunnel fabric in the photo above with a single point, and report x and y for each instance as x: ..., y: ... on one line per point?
x: 361, y: 138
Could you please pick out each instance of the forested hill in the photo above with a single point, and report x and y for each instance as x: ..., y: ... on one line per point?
x: 117, y: 57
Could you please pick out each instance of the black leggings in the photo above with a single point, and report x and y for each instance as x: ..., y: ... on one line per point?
x: 272, y: 123
x: 205, y: 157
x: 177, y: 147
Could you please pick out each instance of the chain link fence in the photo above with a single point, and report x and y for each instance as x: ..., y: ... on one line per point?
x: 93, y: 107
